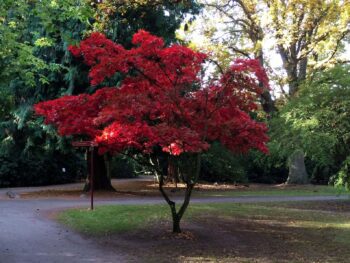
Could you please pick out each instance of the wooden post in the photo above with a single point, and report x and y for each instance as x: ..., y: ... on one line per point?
x: 90, y: 145
x: 92, y: 178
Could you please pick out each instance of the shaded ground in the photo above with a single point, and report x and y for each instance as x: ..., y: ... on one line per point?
x: 230, y: 241
x: 148, y: 187
x: 210, y: 238
x: 142, y: 187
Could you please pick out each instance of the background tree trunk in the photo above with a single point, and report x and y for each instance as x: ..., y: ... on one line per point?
x: 101, y: 179
x: 267, y: 103
x: 297, y: 169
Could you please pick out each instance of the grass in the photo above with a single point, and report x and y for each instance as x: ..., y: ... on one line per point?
x: 222, y: 232
x: 309, y: 190
x: 148, y: 188
x: 123, y: 218
x: 112, y: 219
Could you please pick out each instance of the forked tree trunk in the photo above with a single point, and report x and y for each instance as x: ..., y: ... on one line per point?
x: 101, y: 179
x: 177, y: 215
x: 190, y: 183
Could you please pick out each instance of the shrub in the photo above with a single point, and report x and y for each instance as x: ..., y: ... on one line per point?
x: 36, y: 170
x: 122, y: 167
x: 221, y: 165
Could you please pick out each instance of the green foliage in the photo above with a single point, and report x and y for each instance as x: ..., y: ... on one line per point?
x: 35, y: 66
x: 33, y: 154
x: 268, y: 169
x: 122, y: 167
x: 342, y: 178
x: 119, y: 20
x: 6, y: 103
x: 220, y: 165
x: 316, y: 121
x: 32, y: 170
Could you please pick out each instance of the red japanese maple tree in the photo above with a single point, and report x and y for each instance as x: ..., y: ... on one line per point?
x: 162, y: 104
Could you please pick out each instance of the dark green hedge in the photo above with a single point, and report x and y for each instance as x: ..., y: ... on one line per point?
x: 54, y: 168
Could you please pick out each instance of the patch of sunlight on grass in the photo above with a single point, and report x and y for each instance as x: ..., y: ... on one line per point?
x: 319, y: 225
x: 340, y: 231
x: 310, y: 190
x: 337, y: 225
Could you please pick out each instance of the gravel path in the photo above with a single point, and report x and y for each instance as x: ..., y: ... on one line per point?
x: 27, y: 235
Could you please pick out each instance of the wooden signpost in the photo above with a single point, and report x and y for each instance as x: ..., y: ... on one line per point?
x: 90, y: 145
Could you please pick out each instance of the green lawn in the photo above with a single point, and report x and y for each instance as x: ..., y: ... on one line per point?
x: 123, y: 218
x: 309, y: 190
x: 112, y: 219
x: 223, y: 232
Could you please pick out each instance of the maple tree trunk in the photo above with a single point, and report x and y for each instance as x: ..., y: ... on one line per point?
x: 172, y: 175
x: 176, y: 225
x: 190, y: 183
x: 176, y: 215
x: 101, y: 179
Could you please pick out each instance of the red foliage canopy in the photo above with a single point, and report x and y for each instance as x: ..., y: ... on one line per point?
x: 162, y: 100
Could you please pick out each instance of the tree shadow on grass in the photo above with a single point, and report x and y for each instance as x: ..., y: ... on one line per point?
x: 229, y: 239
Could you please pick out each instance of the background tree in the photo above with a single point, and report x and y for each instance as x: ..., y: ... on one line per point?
x: 35, y: 65
x: 34, y: 36
x: 161, y: 105
x: 315, y: 121
x: 307, y: 35
x: 241, y: 35
x: 120, y: 19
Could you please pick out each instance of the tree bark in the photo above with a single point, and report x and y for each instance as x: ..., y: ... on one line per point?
x: 172, y: 173
x: 190, y: 183
x: 176, y: 224
x: 293, y: 87
x: 267, y: 103
x: 101, y: 179
x: 176, y: 215
x: 297, y: 170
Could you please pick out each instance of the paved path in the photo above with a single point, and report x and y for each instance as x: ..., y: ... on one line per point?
x: 27, y: 236
x: 71, y: 186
